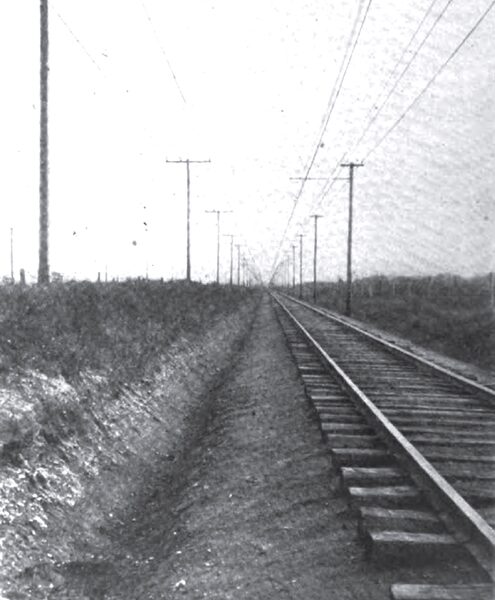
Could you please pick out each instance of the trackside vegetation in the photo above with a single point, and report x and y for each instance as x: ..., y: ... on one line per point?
x: 119, y: 328
x: 448, y: 314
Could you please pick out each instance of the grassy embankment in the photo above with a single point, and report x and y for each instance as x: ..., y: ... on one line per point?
x: 120, y: 329
x: 451, y: 315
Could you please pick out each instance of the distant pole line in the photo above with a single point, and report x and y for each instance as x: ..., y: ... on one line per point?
x: 188, y: 162
x: 231, y: 236
x: 315, y: 217
x: 300, y: 236
x: 238, y: 246
x: 218, y: 213
x: 12, y: 255
x: 43, y: 269
x: 293, y: 268
x: 348, y: 302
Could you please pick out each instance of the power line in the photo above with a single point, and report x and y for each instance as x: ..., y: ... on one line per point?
x: 331, y: 179
x: 333, y: 99
x: 337, y: 88
x: 162, y: 49
x: 326, y: 190
x: 401, y: 76
x: 432, y: 80
x: 77, y: 40
x: 411, y: 40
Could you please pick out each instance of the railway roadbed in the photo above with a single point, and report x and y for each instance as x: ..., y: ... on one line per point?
x: 254, y: 510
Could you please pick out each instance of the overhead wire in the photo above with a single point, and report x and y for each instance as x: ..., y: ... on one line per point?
x: 77, y: 40
x: 336, y: 91
x: 326, y: 189
x: 162, y: 50
x: 338, y: 84
x: 433, y: 78
x: 399, y: 60
x: 402, y: 74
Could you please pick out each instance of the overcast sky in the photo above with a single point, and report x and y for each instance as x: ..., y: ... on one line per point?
x: 247, y: 84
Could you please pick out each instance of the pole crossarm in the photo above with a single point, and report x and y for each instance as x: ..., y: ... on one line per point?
x: 308, y: 178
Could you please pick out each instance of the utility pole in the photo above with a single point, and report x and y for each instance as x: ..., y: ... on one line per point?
x: 231, y: 236
x: 12, y: 255
x: 188, y: 162
x: 301, y: 235
x: 348, y: 303
x: 293, y: 268
x: 238, y: 246
x: 315, y: 217
x: 218, y: 213
x: 43, y: 270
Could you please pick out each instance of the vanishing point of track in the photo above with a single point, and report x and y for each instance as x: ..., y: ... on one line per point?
x: 414, y: 444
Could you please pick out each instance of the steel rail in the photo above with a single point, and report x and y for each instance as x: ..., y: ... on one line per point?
x: 482, y: 391
x: 465, y: 524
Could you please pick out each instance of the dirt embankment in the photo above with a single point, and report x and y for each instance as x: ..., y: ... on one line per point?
x: 75, y: 456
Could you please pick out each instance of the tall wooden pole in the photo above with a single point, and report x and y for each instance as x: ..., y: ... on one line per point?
x: 43, y: 269
x: 348, y: 302
x: 238, y: 246
x: 12, y: 255
x: 231, y: 277
x: 301, y: 235
x: 188, y: 162
x: 218, y: 213
x: 188, y: 236
x: 293, y: 268
x: 231, y: 260
x: 315, y: 217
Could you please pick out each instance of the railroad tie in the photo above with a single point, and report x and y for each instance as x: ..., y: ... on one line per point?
x: 442, y: 592
x: 378, y: 518
x: 404, y: 545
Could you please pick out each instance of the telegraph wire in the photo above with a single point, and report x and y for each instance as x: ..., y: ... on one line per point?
x: 432, y: 79
x: 397, y: 63
x: 411, y: 40
x: 331, y: 181
x: 162, y: 49
x: 77, y: 40
x: 403, y: 72
x: 333, y: 99
x: 337, y: 87
x: 327, y: 189
x: 336, y: 95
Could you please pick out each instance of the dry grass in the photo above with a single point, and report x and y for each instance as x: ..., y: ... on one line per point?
x: 448, y: 314
x: 119, y: 328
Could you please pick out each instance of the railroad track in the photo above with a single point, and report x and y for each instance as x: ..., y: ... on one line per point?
x: 414, y: 445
